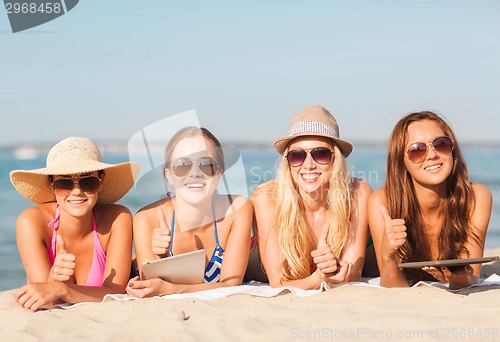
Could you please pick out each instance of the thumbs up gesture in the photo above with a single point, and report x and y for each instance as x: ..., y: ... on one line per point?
x: 64, y: 263
x: 329, y: 268
x: 160, y: 241
x: 394, y: 233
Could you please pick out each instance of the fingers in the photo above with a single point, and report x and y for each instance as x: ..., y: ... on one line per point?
x: 160, y: 241
x: 395, y: 231
x: 162, y: 219
x: 385, y: 213
x: 64, y: 263
x: 341, y: 275
x: 324, y: 234
x: 62, y: 244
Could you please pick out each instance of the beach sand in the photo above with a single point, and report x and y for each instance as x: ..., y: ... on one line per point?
x: 346, y: 312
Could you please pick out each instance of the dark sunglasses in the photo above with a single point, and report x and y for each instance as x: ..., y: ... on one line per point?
x: 418, y: 151
x: 321, y: 155
x: 86, y: 184
x: 181, y: 167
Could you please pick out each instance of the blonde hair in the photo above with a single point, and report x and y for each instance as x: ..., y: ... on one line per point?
x: 289, y: 222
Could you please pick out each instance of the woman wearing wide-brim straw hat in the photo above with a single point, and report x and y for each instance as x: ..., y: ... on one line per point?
x: 75, y: 244
x: 311, y: 220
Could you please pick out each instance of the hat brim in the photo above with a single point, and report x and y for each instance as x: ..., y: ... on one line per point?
x: 118, y: 180
x: 153, y: 182
x: 281, y: 143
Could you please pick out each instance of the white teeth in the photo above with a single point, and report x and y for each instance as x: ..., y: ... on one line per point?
x: 430, y: 168
x: 76, y: 201
x: 195, y: 185
x: 309, y: 176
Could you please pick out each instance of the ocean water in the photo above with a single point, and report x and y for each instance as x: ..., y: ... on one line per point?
x: 254, y: 167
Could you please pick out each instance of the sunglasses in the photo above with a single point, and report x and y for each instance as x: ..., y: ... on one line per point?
x: 320, y: 155
x: 418, y: 151
x: 181, y: 167
x: 86, y: 184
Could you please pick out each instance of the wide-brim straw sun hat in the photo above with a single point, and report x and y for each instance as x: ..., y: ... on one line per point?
x: 316, y: 121
x: 70, y: 156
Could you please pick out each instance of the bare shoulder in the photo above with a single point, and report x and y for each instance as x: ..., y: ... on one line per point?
x: 111, y: 211
x: 481, y: 192
x: 150, y: 211
x: 264, y: 195
x: 377, y: 197
x: 35, y: 217
x: 152, y: 206
x: 362, y: 188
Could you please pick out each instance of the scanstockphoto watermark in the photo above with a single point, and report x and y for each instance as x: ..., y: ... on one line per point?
x: 26, y: 14
x: 451, y: 333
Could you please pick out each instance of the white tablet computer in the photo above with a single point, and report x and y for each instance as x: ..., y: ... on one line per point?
x: 187, y: 268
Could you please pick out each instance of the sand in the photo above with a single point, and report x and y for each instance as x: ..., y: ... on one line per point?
x: 347, y: 312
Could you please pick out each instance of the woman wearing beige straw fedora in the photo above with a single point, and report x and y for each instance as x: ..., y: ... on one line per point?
x: 75, y: 244
x: 428, y: 209
x: 192, y: 217
x: 311, y: 220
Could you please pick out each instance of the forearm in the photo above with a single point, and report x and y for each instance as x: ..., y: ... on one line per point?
x: 391, y: 275
x: 73, y: 293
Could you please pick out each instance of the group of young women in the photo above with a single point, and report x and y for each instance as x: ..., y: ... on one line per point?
x: 313, y: 223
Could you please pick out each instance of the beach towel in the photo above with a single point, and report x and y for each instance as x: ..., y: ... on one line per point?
x: 264, y: 290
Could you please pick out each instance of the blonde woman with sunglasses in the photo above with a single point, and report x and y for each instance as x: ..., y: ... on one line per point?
x: 75, y: 244
x: 192, y: 217
x: 311, y: 220
x: 428, y: 209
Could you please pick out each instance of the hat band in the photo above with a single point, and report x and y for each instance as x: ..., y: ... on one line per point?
x: 313, y: 127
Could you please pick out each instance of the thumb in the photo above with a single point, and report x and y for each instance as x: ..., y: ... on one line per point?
x: 324, y: 234
x: 162, y: 219
x: 62, y: 245
x: 385, y: 213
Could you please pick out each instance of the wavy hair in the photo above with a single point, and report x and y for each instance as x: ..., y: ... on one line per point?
x: 289, y: 221
x: 457, y: 207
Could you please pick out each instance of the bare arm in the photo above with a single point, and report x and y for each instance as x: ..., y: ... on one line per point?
x: 269, y: 248
x: 40, y: 293
x: 387, y: 236
x: 355, y: 251
x: 237, y: 251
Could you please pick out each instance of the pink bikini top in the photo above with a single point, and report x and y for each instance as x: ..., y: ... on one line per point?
x: 96, y: 274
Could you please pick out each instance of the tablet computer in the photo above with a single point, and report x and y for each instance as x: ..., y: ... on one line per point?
x: 187, y: 268
x: 449, y: 262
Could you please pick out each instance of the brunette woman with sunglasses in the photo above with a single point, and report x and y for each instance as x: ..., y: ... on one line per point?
x: 75, y: 244
x: 192, y: 217
x: 311, y: 220
x: 428, y: 209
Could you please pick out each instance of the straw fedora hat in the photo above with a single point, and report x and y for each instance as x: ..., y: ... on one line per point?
x: 313, y: 121
x: 74, y: 156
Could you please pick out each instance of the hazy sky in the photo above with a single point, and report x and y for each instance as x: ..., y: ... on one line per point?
x: 108, y: 68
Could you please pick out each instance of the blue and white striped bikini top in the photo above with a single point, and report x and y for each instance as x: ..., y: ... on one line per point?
x: 212, y: 271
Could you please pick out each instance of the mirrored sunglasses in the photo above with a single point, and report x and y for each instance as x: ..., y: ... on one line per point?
x: 320, y: 155
x: 89, y: 184
x: 181, y: 167
x: 418, y: 151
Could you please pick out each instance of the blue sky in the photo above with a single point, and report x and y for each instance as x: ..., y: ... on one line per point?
x: 108, y: 68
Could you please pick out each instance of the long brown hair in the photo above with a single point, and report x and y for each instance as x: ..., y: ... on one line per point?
x: 457, y: 208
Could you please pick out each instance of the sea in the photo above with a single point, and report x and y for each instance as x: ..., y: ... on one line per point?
x: 256, y: 164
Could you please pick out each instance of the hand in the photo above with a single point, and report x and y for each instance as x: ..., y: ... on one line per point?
x: 457, y: 279
x: 160, y: 241
x: 394, y: 234
x: 64, y: 263
x: 35, y: 296
x: 149, y: 288
x: 329, y: 268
